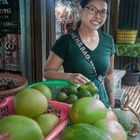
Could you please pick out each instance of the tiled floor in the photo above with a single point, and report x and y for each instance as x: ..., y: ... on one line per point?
x: 134, y: 97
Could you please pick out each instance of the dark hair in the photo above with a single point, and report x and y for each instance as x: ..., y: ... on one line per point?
x: 83, y: 3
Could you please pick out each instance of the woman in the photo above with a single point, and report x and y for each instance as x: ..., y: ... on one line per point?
x: 98, y: 45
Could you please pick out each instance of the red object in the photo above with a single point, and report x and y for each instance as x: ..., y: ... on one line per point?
x: 58, y: 108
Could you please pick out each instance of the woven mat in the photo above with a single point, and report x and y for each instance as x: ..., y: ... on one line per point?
x: 134, y: 94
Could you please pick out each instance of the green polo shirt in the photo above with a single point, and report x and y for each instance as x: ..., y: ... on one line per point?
x: 75, y: 62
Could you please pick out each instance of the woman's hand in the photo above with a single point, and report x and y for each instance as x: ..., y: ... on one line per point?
x: 77, y: 78
x: 109, y: 83
x: 4, y: 136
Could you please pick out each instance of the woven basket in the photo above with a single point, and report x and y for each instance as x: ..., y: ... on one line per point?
x: 126, y: 36
x: 19, y: 81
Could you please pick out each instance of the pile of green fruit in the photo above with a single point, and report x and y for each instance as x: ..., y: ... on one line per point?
x: 90, y: 120
x: 71, y: 94
x: 32, y: 120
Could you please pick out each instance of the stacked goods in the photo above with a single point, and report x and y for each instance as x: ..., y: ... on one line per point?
x: 126, y: 118
x: 130, y: 122
x: 126, y: 36
x: 20, y: 127
x: 43, y: 89
x: 72, y: 93
x: 66, y: 92
x: 31, y: 117
x: 89, y: 118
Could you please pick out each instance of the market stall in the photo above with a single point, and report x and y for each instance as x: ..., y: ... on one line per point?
x: 59, y: 118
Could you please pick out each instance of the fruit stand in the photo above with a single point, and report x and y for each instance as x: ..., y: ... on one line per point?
x: 57, y: 119
x: 59, y: 109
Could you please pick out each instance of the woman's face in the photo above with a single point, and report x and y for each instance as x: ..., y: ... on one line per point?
x: 94, y: 14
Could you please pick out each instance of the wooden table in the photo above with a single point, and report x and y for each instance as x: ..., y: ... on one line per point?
x: 134, y: 94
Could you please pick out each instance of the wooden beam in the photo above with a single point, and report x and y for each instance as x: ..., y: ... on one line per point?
x: 50, y: 25
x: 114, y: 17
x: 36, y: 46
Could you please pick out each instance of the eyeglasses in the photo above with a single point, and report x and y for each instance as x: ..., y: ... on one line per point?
x: 95, y: 11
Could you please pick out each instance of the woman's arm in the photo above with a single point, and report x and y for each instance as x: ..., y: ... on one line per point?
x: 52, y: 72
x: 109, y: 82
x: 4, y: 136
